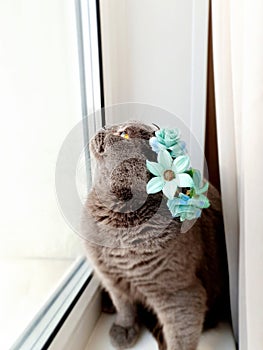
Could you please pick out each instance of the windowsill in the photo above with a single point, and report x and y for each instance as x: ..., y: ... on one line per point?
x: 87, y: 328
x: 220, y: 338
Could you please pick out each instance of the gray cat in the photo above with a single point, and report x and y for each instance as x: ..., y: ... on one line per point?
x: 139, y: 251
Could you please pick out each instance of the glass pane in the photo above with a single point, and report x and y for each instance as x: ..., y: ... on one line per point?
x: 40, y: 104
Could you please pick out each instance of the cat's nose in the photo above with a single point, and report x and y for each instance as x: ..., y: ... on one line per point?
x: 123, y: 194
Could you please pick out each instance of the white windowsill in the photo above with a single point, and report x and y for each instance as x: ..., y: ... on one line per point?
x: 87, y: 328
x: 220, y: 338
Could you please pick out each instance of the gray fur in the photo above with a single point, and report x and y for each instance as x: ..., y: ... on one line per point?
x: 138, y: 250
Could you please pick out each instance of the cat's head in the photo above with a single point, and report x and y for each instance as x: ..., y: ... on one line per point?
x: 120, y: 152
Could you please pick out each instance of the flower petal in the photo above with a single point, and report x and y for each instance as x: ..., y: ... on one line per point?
x: 171, y: 137
x: 170, y: 188
x: 169, y: 141
x: 184, y: 197
x: 155, y: 185
x: 178, y: 149
x: 154, y: 144
x: 184, y: 180
x: 197, y: 178
x: 181, y: 164
x: 165, y: 159
x: 203, y: 189
x: 201, y: 201
x: 160, y: 135
x: 173, y: 206
x: 155, y: 168
x: 190, y: 214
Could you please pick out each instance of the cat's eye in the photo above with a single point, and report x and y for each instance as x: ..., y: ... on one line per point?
x: 124, y: 135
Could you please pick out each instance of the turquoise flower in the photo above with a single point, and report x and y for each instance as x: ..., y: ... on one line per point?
x: 181, y: 207
x: 173, y: 173
x: 189, y: 213
x: 169, y: 173
x: 189, y: 206
x: 186, y: 207
x: 198, y: 190
x: 168, y: 139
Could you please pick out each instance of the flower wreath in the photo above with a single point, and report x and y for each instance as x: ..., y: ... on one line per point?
x: 173, y: 175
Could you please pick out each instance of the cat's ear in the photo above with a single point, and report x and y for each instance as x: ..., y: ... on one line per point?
x: 97, y: 143
x: 157, y: 127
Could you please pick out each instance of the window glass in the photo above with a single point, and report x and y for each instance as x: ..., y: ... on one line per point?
x: 40, y: 104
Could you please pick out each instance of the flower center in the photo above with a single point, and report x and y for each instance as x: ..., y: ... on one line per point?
x: 169, y: 175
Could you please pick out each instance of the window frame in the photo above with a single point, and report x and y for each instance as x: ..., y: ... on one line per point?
x: 79, y: 291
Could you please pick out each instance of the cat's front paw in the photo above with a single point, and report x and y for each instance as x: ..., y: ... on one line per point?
x: 123, y: 337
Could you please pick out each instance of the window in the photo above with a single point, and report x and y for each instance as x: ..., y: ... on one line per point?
x: 42, y: 268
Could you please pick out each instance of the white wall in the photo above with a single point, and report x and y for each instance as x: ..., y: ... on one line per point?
x: 40, y: 103
x: 148, y: 50
x: 155, y: 52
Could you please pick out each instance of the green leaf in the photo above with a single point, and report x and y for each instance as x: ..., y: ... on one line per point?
x: 190, y: 172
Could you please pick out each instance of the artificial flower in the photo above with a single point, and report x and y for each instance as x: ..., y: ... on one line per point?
x: 198, y: 190
x: 168, y: 139
x: 173, y: 173
x: 189, y: 213
x: 169, y: 173
x: 187, y: 207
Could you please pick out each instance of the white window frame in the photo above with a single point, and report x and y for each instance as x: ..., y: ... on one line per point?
x: 74, y: 307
